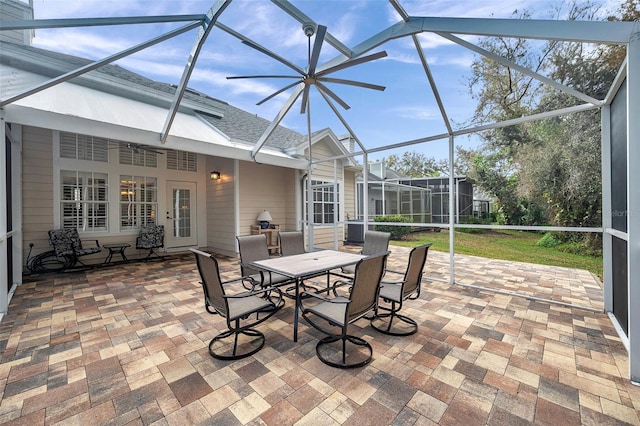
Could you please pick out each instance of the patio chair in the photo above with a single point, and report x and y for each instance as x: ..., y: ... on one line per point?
x: 393, y: 294
x: 236, y: 308
x: 67, y: 246
x: 341, y: 311
x: 375, y: 242
x: 253, y: 248
x: 151, y: 237
x: 292, y: 243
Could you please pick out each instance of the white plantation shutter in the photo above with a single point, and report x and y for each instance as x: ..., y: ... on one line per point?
x: 68, y: 145
x: 83, y: 147
x: 137, y: 157
x: 181, y: 160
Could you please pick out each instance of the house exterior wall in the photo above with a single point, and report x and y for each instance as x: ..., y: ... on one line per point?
x: 41, y: 166
x: 264, y: 187
x: 349, y: 200
x: 349, y: 195
x: 37, y: 189
x: 220, y: 207
x: 247, y: 187
x: 11, y: 10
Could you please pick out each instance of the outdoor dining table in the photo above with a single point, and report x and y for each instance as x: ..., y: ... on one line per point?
x: 299, y: 266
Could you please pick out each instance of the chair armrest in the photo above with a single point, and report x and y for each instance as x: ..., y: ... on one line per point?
x: 234, y: 280
x: 338, y: 299
x: 253, y: 293
x: 340, y: 283
x: 97, y: 243
x: 392, y: 282
x: 314, y: 295
x: 337, y: 274
x: 393, y: 272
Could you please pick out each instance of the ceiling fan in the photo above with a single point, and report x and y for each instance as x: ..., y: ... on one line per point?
x: 136, y: 148
x: 311, y: 77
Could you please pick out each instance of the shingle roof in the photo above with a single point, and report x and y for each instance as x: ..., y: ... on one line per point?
x: 237, y: 124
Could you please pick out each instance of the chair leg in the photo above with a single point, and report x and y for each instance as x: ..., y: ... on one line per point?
x: 258, y: 340
x: 324, y: 350
x: 71, y: 262
x: 150, y: 255
x: 378, y: 324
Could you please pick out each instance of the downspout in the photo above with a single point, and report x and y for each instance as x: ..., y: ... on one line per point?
x: 365, y: 192
x: 452, y: 221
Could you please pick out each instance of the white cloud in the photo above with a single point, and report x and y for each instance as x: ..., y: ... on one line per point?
x: 416, y: 113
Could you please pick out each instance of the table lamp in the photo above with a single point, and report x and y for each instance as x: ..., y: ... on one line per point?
x: 264, y: 218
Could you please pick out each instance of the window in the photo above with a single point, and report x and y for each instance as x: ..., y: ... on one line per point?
x: 138, y: 201
x: 82, y: 147
x: 84, y: 203
x: 326, y: 201
x: 182, y: 160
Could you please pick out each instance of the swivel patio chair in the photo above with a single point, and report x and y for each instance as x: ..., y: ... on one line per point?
x: 253, y: 248
x: 68, y: 248
x: 393, y: 294
x: 340, y: 312
x: 236, y: 308
x: 292, y: 243
x: 375, y: 242
x: 151, y: 237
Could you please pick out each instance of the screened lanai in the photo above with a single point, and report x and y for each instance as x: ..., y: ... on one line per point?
x: 619, y: 111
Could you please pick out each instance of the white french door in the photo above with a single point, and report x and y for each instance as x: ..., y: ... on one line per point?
x: 181, y: 214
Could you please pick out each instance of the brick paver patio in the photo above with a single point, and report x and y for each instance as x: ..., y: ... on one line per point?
x: 128, y: 345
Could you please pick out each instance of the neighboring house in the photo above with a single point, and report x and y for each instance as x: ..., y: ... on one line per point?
x: 439, y: 188
x: 425, y: 199
x: 86, y: 153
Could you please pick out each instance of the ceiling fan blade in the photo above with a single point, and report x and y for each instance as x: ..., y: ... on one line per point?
x: 274, y: 56
x: 278, y: 92
x: 261, y: 76
x: 351, y: 83
x: 137, y: 148
x: 317, y: 46
x: 335, y: 97
x: 353, y: 62
x: 152, y: 150
x: 305, y: 99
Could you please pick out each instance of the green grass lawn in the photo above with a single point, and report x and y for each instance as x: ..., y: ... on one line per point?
x: 507, y: 245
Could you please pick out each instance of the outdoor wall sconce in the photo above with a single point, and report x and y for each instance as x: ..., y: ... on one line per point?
x: 215, y: 175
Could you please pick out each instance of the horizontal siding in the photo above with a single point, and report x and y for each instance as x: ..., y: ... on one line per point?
x: 263, y: 187
x: 15, y: 11
x: 292, y: 202
x: 324, y: 171
x: 221, y: 206
x: 37, y: 189
x: 323, y: 237
x: 349, y: 208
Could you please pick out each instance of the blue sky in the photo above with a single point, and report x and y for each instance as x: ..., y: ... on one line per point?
x: 406, y: 110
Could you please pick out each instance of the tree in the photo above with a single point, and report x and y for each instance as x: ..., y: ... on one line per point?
x: 417, y: 165
x: 413, y: 164
x: 554, y: 164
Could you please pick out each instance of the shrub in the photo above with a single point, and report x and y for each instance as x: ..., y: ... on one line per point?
x: 472, y: 221
x: 397, y: 232
x: 549, y: 240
